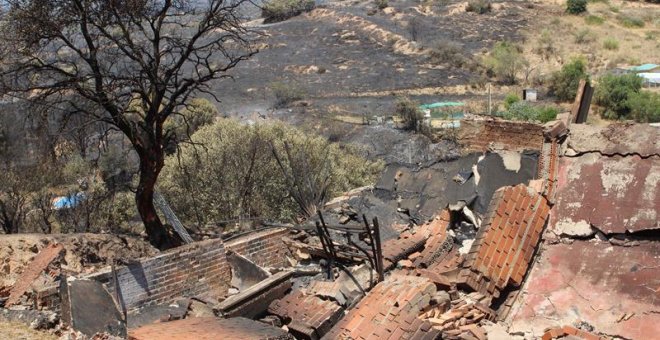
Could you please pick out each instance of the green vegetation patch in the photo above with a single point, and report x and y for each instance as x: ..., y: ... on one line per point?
x: 576, y: 6
x: 621, y: 97
x: 594, y: 20
x: 611, y: 44
x: 630, y: 21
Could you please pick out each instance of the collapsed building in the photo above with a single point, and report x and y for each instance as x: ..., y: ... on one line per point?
x: 535, y: 232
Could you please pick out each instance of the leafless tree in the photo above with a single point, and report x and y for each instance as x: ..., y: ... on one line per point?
x: 135, y: 63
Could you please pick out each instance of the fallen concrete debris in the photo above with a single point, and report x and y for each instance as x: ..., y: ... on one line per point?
x: 37, y: 266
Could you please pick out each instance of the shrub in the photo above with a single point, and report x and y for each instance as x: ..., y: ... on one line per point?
x: 584, y: 36
x: 630, y: 22
x: 526, y: 112
x: 410, y: 113
x: 280, y: 10
x: 594, y: 20
x: 510, y: 99
x: 450, y: 53
x: 235, y: 173
x: 613, y: 93
x: 285, y: 94
x: 564, y: 83
x: 382, y: 4
x: 576, y: 6
x: 611, y: 44
x: 478, y: 6
x: 644, y: 107
x: 505, y: 61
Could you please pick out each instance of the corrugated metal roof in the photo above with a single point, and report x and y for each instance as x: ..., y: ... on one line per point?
x: 440, y: 104
x: 644, y: 67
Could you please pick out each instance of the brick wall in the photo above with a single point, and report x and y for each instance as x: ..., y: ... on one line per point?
x: 199, y: 268
x: 479, y: 135
x: 264, y: 248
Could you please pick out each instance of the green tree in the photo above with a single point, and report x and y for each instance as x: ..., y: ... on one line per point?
x: 644, y: 106
x: 564, y: 83
x: 236, y: 174
x: 613, y: 93
x: 506, y: 61
x: 115, y: 55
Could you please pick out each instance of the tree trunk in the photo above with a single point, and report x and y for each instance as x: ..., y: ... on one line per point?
x: 151, y: 162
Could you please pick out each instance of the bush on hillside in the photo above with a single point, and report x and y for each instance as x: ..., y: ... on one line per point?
x: 478, y: 6
x: 644, y: 107
x: 280, y: 10
x: 235, y: 173
x: 576, y: 6
x: 523, y: 111
x: 285, y: 94
x: 505, y: 61
x: 613, y: 93
x: 510, y: 99
x: 611, y: 44
x: 564, y: 83
x: 410, y: 114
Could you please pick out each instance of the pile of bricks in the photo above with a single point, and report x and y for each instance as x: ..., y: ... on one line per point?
x: 264, y: 248
x: 438, y: 243
x: 421, y: 248
x: 464, y: 317
x: 507, y: 241
x: 569, y: 332
x: 306, y: 316
x: 390, y: 311
x: 209, y: 328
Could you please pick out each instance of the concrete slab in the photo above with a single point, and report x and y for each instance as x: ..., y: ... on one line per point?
x: 87, y: 307
x: 614, y: 289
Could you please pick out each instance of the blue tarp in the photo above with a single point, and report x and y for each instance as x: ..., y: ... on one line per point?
x: 70, y: 201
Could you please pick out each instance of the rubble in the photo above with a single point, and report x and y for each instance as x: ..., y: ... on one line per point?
x: 32, y: 272
x: 518, y: 240
x: 210, y: 328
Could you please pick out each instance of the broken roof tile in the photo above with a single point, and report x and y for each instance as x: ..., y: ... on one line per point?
x: 502, y: 250
x: 307, y: 316
x: 389, y: 309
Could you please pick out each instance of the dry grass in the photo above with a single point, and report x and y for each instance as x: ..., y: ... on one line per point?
x: 635, y: 44
x: 19, y: 331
